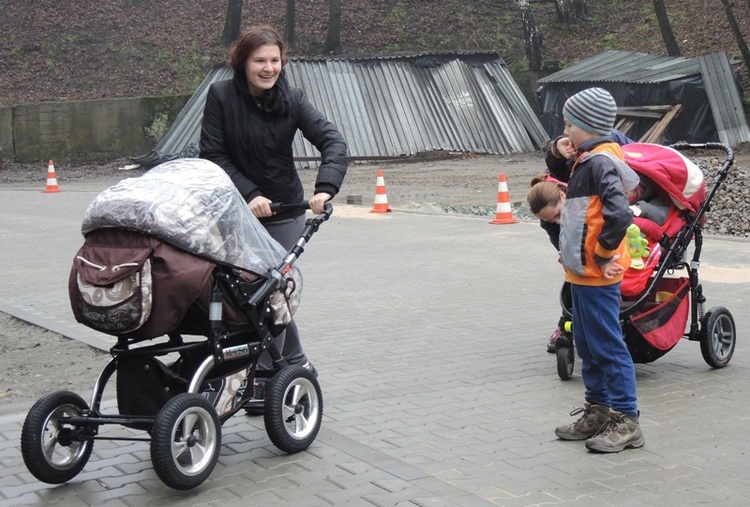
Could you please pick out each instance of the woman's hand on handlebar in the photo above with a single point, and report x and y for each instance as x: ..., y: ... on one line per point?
x: 260, y: 207
x: 318, y: 201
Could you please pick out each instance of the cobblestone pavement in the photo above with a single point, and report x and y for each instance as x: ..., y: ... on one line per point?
x: 428, y: 331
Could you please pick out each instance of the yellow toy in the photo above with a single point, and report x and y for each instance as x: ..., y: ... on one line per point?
x: 637, y: 247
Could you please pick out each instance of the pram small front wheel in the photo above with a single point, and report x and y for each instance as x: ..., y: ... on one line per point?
x: 565, y: 362
x: 294, y: 409
x: 185, y: 441
x: 718, y: 337
x: 50, y: 446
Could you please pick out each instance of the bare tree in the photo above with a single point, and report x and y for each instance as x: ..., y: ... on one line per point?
x: 531, y: 35
x: 232, y: 22
x: 333, y: 39
x: 581, y: 9
x: 290, y: 29
x: 570, y: 10
x: 666, y: 28
x: 737, y: 34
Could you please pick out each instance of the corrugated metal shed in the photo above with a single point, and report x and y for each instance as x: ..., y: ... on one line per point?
x: 725, y: 101
x: 714, y: 71
x: 394, y: 106
x: 628, y: 67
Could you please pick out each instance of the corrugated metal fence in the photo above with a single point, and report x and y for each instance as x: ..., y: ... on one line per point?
x: 390, y: 107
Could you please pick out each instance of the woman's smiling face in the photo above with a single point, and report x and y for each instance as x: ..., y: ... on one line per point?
x: 262, y: 68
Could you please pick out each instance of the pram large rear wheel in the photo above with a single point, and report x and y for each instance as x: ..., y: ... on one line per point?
x: 185, y: 441
x: 49, y: 446
x: 294, y: 409
x: 718, y: 337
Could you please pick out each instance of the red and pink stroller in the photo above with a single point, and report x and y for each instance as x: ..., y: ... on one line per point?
x: 176, y: 267
x: 655, y: 304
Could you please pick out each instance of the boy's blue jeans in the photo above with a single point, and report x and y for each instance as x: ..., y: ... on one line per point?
x: 607, y: 367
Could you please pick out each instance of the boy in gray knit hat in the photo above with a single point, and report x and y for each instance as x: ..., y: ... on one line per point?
x: 593, y: 110
x: 593, y: 224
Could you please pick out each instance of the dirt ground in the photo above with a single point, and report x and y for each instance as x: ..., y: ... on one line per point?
x: 465, y: 184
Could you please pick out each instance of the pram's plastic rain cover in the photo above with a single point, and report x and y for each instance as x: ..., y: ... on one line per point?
x: 166, y: 230
x: 193, y: 205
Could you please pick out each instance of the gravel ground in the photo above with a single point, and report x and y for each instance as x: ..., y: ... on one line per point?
x: 461, y: 185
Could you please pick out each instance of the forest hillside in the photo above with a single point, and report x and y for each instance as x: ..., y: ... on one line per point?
x: 91, y: 49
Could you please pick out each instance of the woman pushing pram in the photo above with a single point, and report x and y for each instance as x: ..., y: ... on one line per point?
x: 249, y: 124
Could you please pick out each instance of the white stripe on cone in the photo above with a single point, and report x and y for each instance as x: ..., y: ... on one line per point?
x: 503, y: 207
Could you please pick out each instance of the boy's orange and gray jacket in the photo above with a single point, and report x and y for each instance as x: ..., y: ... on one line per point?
x: 596, y: 215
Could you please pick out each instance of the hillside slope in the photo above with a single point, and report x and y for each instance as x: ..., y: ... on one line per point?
x: 91, y: 49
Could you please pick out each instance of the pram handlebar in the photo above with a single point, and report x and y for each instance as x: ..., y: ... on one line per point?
x: 276, y: 207
x: 706, y: 146
x: 275, y: 277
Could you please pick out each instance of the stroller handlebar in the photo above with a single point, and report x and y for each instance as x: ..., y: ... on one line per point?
x: 707, y: 146
x: 277, y: 207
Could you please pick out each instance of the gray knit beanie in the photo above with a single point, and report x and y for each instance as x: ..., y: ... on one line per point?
x: 593, y: 110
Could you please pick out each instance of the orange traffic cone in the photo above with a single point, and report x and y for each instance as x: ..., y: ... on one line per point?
x: 504, y: 215
x: 51, y: 179
x: 381, y: 199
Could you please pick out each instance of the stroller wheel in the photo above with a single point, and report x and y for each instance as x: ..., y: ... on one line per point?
x: 718, y: 337
x: 294, y: 409
x: 565, y: 362
x: 49, y: 445
x: 185, y: 441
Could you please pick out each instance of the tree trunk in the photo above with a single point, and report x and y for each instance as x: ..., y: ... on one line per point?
x: 563, y: 14
x: 531, y: 35
x: 232, y: 22
x: 666, y: 28
x: 737, y: 34
x: 570, y: 10
x: 291, y: 23
x: 581, y: 9
x: 333, y: 40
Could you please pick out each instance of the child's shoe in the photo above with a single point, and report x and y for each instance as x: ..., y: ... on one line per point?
x: 552, y: 339
x: 621, y: 432
x: 594, y: 418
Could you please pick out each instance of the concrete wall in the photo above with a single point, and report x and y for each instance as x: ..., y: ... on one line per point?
x: 6, y: 134
x: 85, y: 132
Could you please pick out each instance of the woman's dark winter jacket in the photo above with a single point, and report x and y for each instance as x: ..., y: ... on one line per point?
x: 251, y: 139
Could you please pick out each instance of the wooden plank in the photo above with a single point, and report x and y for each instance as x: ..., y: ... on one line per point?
x: 658, y: 128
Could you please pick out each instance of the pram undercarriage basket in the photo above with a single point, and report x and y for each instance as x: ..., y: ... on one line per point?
x: 192, y: 317
x: 665, y: 309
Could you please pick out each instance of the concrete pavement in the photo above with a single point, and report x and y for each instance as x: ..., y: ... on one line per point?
x: 428, y: 332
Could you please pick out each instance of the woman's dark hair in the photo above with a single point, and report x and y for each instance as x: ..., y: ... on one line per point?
x: 543, y: 193
x: 249, y: 41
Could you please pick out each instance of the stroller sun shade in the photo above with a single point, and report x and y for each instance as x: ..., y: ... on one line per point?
x: 670, y: 170
x: 193, y: 205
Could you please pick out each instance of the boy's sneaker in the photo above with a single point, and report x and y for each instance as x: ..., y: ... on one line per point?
x: 593, y: 419
x: 552, y: 339
x: 621, y: 432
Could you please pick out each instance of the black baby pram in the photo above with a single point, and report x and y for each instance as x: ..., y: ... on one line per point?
x: 656, y: 304
x: 176, y: 267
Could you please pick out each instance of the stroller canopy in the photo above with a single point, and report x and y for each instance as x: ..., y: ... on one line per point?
x: 193, y: 205
x: 671, y: 171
